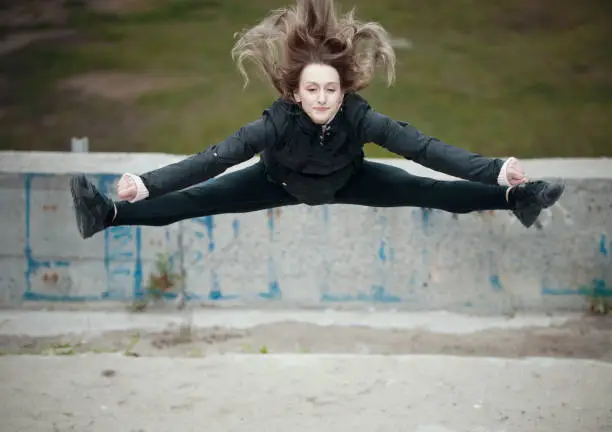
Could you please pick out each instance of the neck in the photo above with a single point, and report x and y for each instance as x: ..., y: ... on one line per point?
x: 332, y: 116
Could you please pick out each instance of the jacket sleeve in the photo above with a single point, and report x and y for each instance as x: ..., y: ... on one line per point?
x: 403, y: 139
x: 248, y: 141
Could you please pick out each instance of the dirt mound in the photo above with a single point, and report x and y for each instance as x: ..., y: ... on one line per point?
x: 30, y: 13
x: 20, y: 40
x: 34, y: 13
x: 123, y: 86
x: 588, y: 338
x: 120, y: 7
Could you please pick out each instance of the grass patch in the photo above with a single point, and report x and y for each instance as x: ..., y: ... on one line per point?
x: 129, y: 351
x: 532, y: 79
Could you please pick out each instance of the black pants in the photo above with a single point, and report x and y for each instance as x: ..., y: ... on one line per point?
x: 375, y: 185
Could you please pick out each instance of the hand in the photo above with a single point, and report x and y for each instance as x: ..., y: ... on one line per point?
x: 515, y: 172
x: 126, y: 187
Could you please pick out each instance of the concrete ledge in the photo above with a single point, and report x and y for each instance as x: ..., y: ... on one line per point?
x: 114, y: 163
x: 90, y: 323
x: 327, y: 256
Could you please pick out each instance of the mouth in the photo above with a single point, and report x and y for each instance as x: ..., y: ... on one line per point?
x: 320, y: 109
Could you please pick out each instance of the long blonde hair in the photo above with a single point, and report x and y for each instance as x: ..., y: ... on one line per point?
x: 288, y: 39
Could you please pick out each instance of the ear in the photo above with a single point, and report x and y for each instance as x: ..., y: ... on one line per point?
x: 296, y: 97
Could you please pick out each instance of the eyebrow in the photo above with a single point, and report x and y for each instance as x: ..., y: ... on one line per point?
x: 327, y: 83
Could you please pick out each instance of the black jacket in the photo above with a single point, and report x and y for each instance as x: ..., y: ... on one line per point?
x: 312, y: 161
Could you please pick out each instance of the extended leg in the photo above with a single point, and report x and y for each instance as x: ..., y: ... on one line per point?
x: 241, y: 191
x: 381, y: 185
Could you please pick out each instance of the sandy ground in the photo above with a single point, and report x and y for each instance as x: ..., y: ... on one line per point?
x: 241, y: 370
x: 109, y: 392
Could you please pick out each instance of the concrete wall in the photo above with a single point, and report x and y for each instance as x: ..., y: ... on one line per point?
x: 328, y: 256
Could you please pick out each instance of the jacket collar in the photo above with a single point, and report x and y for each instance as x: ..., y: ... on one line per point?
x: 306, y: 123
x: 350, y: 108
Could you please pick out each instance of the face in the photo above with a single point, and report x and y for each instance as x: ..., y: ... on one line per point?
x: 319, y: 92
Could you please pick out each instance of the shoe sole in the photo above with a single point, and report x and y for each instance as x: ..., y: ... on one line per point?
x: 80, y: 190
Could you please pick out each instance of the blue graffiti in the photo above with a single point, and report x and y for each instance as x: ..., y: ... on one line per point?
x: 376, y: 295
x: 33, y: 264
x: 494, y: 278
x: 603, y: 246
x: 323, y: 276
x: 122, y: 253
x: 382, y: 255
x: 274, y: 290
x: 209, y: 223
x: 33, y: 296
x: 426, y: 216
x: 215, y: 291
x: 122, y: 261
x: 236, y: 228
x: 188, y: 296
x: 597, y: 287
x: 495, y: 282
x: 385, y: 255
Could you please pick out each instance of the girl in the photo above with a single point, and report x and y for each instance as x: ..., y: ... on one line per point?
x: 311, y: 141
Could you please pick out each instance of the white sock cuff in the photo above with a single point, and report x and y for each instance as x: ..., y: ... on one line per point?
x: 141, y: 190
x: 502, y: 178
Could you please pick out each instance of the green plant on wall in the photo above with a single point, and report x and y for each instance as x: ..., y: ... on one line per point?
x: 165, y: 279
x: 597, y: 295
x: 599, y: 305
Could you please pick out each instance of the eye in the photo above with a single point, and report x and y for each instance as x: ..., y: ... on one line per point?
x: 331, y: 90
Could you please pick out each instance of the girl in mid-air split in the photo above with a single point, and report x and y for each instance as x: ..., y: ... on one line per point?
x: 311, y: 141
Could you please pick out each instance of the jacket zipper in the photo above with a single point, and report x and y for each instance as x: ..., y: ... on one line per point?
x: 322, y: 136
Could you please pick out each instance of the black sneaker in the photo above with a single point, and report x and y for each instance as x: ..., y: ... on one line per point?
x: 529, y: 199
x: 93, y: 210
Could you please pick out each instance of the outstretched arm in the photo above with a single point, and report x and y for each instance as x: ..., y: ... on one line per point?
x: 403, y: 139
x: 239, y: 147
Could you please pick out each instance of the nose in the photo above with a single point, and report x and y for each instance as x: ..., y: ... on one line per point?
x: 321, y: 98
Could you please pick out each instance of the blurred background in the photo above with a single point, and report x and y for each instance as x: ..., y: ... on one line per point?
x: 531, y: 78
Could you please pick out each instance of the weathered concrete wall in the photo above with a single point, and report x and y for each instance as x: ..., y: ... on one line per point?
x: 328, y: 256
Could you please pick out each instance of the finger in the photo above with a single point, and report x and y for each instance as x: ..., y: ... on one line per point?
x: 518, y: 179
x: 515, y: 173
